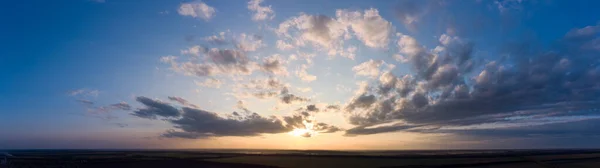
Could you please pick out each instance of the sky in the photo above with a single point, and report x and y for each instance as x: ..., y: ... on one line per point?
x: 299, y: 74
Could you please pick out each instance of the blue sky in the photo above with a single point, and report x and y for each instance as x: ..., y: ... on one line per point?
x: 130, y: 74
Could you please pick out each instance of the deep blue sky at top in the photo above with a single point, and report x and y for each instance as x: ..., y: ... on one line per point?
x: 51, y: 47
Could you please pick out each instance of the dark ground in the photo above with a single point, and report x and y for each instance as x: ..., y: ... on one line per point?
x: 293, y: 159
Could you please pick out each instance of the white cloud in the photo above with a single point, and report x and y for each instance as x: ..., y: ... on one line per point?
x: 194, y: 51
x: 249, y: 42
x: 282, y: 45
x: 218, y: 40
x: 260, y: 12
x: 369, y: 68
x: 197, y: 10
x: 303, y: 75
x: 210, y: 82
x: 369, y: 26
x: 318, y: 30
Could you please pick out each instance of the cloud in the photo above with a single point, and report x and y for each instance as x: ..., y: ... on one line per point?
x: 533, y: 87
x: 155, y: 108
x: 265, y: 95
x: 282, y: 45
x: 507, y: 5
x: 319, y: 30
x: 288, y: 98
x: 217, y: 62
x: 197, y: 9
x: 217, y: 40
x: 303, y: 75
x: 196, y: 123
x: 361, y: 130
x: 270, y: 84
x: 182, y: 101
x: 260, y: 12
x: 306, y: 89
x: 85, y: 102
x: 246, y: 42
x: 194, y: 51
x: 369, y: 27
x: 316, y: 108
x: 274, y: 65
x: 210, y: 82
x: 312, y: 108
x: 84, y: 93
x: 369, y: 68
x: 121, y: 106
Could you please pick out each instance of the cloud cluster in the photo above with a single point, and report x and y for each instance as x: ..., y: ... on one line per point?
x: 197, y: 9
x: 154, y: 109
x: 191, y: 122
x: 368, y: 26
x: 274, y: 65
x: 446, y: 91
x: 260, y: 12
x: 328, y: 34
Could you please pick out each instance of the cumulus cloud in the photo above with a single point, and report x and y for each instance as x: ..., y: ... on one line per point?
x: 155, y: 108
x: 197, y: 9
x: 307, y: 122
x: 369, y: 68
x: 193, y: 51
x: 282, y: 45
x: 532, y: 88
x: 368, y: 26
x: 245, y: 42
x: 274, y: 65
x: 303, y: 74
x: 217, y: 62
x: 217, y: 40
x: 260, y: 12
x: 288, y: 98
x: 319, y: 30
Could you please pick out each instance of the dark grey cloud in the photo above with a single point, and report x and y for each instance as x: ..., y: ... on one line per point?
x: 288, y: 98
x: 304, y: 121
x: 450, y: 89
x: 361, y: 130
x: 155, y: 108
x: 362, y: 101
x: 312, y: 108
x: 196, y: 123
x: 182, y: 101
